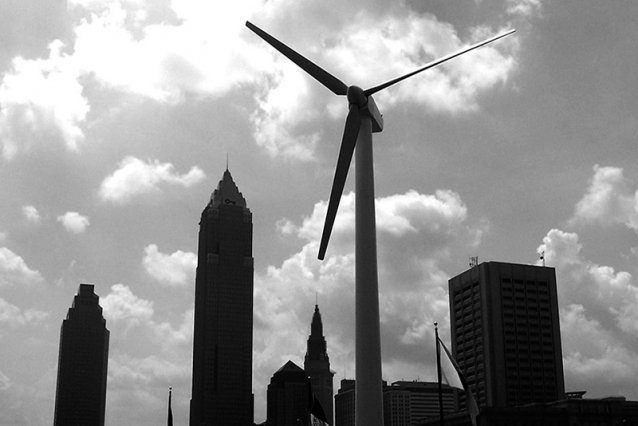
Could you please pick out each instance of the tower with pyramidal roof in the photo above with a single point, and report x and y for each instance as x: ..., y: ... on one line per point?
x: 317, y: 365
x: 223, y: 331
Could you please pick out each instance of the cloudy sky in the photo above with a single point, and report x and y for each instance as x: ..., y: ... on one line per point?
x: 117, y: 118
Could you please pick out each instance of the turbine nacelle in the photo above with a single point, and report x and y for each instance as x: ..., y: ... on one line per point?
x: 356, y: 95
x: 367, y: 106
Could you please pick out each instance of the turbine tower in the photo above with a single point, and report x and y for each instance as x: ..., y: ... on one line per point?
x: 362, y: 120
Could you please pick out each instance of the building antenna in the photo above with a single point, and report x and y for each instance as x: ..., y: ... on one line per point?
x: 473, y: 261
x: 543, y: 257
x: 226, y: 161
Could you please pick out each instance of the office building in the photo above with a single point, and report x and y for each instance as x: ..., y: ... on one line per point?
x: 505, y: 333
x: 288, y: 397
x: 404, y: 403
x: 317, y: 365
x: 80, y: 398
x: 345, y: 402
x: 223, y: 329
x: 424, y: 398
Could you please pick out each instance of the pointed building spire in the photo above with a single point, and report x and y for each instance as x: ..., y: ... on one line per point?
x: 227, y: 193
x: 317, y: 365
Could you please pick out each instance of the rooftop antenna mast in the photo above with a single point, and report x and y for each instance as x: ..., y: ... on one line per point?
x: 362, y: 120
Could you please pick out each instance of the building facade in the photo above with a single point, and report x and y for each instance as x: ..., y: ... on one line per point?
x: 317, y: 366
x: 223, y: 330
x: 404, y: 403
x: 424, y: 399
x: 505, y: 333
x: 288, y: 397
x: 80, y: 398
x: 345, y: 414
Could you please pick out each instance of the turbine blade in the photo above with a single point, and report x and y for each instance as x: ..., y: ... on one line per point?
x: 348, y: 142
x: 337, y: 86
x: 387, y: 84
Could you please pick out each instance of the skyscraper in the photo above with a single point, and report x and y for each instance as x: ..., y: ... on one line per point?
x: 317, y: 365
x: 80, y: 398
x: 223, y: 331
x: 506, y: 333
x: 288, y: 399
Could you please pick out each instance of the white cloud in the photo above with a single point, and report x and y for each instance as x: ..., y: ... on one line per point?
x: 122, y: 306
x: 14, y: 270
x: 5, y: 382
x: 204, y: 53
x: 525, y: 8
x: 135, y: 177
x: 74, y: 222
x: 174, y: 269
x: 599, y: 312
x: 608, y: 200
x: 40, y: 100
x: 31, y: 214
x: 14, y: 316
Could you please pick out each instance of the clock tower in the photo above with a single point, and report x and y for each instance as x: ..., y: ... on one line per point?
x: 317, y: 365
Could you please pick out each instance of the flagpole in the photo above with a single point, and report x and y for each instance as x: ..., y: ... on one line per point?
x: 438, y: 373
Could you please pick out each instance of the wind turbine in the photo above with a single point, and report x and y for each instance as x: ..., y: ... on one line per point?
x: 362, y: 120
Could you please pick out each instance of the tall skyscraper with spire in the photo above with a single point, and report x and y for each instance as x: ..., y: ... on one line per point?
x: 80, y: 397
x: 317, y: 365
x: 223, y: 332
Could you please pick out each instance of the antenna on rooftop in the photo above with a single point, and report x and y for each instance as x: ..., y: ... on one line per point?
x: 473, y: 261
x: 543, y: 257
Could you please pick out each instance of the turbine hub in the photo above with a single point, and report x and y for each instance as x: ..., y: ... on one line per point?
x: 357, y: 96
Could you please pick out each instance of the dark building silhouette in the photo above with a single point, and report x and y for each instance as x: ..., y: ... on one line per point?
x: 80, y: 398
x: 404, y: 403
x: 288, y: 397
x: 345, y: 404
x: 423, y: 399
x: 317, y: 365
x: 223, y: 331
x: 506, y: 333
x: 566, y: 412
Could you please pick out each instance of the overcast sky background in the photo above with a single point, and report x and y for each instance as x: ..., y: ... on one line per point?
x: 116, y: 119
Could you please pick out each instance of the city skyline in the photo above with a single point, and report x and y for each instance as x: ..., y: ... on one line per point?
x: 117, y: 119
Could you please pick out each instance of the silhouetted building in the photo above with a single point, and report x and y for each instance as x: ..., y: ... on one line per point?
x: 566, y: 412
x: 80, y: 398
x: 223, y: 330
x: 317, y: 365
x: 288, y: 397
x: 423, y: 399
x: 345, y: 414
x: 404, y: 403
x: 505, y: 333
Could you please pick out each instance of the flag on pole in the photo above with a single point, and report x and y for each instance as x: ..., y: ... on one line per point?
x: 317, y: 415
x: 454, y: 377
x: 170, y: 411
